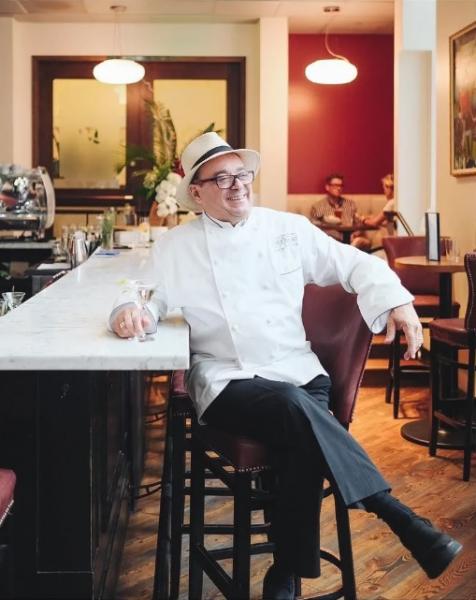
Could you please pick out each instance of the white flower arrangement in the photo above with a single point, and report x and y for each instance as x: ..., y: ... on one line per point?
x: 165, y: 193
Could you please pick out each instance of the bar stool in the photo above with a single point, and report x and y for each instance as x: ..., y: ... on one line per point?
x: 341, y: 339
x: 172, y: 526
x: 425, y: 288
x: 7, y: 488
x: 455, y: 334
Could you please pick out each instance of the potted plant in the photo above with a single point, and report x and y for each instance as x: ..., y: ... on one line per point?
x: 162, y: 171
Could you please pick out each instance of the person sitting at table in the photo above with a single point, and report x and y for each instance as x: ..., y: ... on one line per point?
x: 383, y: 218
x: 334, y: 204
x: 238, y: 273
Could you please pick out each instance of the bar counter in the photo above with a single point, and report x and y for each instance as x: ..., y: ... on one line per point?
x: 71, y: 421
x: 64, y: 326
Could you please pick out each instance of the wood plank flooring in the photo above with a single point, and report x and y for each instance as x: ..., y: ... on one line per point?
x: 384, y: 569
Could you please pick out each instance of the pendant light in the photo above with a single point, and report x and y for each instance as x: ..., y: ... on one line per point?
x: 331, y: 71
x: 118, y: 70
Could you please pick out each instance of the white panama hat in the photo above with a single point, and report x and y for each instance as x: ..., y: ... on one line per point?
x: 202, y: 149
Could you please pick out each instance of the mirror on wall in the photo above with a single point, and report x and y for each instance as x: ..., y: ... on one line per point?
x: 88, y: 134
x: 209, y: 105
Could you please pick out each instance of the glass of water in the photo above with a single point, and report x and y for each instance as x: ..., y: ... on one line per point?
x: 143, y: 293
x: 12, y: 299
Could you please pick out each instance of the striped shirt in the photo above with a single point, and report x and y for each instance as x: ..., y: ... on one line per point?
x: 325, y: 207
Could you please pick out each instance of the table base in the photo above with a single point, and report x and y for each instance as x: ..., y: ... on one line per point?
x: 418, y: 432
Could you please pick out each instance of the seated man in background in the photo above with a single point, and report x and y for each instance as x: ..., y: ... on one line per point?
x: 383, y: 218
x: 238, y: 273
x: 334, y: 204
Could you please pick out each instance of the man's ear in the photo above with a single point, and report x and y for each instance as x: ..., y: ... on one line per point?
x: 195, y: 193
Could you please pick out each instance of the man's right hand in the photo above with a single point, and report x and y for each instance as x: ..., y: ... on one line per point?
x: 130, y: 322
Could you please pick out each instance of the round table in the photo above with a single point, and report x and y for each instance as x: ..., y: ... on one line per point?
x: 444, y: 267
x: 346, y: 230
x: 419, y: 431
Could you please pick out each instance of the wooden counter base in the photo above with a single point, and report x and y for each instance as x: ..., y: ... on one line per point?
x: 67, y: 435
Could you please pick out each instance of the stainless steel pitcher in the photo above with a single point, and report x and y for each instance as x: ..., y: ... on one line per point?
x: 79, y: 252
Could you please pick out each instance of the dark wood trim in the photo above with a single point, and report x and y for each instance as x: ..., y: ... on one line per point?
x: 47, y: 68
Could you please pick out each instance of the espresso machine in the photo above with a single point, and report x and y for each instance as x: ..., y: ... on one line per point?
x: 27, y: 202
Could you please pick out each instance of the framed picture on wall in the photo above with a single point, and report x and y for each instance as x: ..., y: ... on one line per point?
x: 463, y: 101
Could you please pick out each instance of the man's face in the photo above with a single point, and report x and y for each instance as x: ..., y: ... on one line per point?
x: 231, y: 205
x: 334, y: 187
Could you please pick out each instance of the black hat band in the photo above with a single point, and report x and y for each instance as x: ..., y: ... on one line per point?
x: 211, y: 153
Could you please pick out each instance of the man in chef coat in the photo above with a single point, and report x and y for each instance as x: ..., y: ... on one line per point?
x: 238, y: 273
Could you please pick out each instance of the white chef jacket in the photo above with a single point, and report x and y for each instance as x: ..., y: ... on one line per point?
x: 241, y: 290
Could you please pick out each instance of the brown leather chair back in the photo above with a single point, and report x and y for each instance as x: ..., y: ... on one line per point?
x: 470, y: 266
x: 341, y: 339
x: 415, y: 282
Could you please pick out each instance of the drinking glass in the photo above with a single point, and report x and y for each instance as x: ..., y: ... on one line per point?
x: 3, y: 307
x: 451, y: 250
x: 107, y: 230
x: 143, y: 293
x: 12, y: 299
x: 144, y: 231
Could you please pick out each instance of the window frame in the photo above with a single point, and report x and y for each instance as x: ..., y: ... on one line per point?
x: 138, y: 131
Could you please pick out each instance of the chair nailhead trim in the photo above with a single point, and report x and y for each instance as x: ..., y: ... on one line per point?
x: 5, y: 514
x: 253, y: 469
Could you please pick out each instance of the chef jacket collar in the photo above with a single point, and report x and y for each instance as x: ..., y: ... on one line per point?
x: 212, y: 222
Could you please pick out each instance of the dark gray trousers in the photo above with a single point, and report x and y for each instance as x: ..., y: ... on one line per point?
x: 308, y: 444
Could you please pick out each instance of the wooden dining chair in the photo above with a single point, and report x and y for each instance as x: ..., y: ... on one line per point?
x: 426, y: 289
x: 455, y: 335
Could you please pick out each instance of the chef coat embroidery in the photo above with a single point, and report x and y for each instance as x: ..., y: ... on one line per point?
x: 286, y: 253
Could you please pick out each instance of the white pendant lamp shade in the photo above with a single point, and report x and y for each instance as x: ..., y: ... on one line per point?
x: 331, y: 71
x: 118, y: 70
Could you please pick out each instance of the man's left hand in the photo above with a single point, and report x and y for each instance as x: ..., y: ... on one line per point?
x: 405, y: 318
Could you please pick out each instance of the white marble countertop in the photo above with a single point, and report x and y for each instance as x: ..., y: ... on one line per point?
x: 64, y: 326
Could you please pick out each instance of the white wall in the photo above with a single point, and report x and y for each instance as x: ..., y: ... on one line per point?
x: 456, y: 196
x: 415, y: 109
x: 6, y: 96
x: 273, y: 121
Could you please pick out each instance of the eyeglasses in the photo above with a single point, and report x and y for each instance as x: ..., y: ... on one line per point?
x: 336, y: 185
x: 225, y: 182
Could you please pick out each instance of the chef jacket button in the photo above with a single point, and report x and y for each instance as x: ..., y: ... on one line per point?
x: 269, y: 321
x: 234, y: 327
x: 225, y: 294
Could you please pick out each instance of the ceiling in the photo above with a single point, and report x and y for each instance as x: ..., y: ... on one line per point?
x: 305, y: 16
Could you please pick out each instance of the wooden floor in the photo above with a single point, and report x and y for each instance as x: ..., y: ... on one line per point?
x: 384, y: 569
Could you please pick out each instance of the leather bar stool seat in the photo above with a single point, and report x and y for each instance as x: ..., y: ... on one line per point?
x: 7, y: 489
x: 450, y: 331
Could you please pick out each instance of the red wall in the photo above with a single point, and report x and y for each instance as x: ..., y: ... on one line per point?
x: 341, y: 128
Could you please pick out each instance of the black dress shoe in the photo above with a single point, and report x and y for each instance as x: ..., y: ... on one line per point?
x: 278, y: 585
x: 432, y: 549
